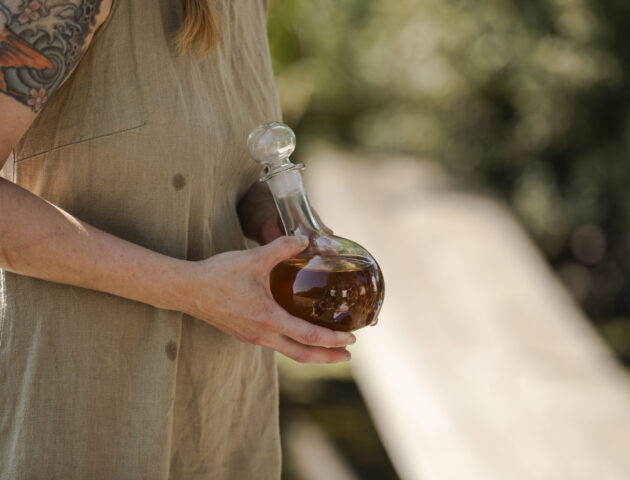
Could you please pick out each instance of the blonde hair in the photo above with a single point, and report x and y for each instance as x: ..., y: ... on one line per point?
x: 199, y: 31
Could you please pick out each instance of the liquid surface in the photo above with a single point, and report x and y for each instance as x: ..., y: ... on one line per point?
x: 341, y: 292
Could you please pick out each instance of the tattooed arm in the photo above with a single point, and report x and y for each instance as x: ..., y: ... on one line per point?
x: 41, y: 42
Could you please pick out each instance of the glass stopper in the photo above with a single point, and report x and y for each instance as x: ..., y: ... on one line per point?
x: 271, y: 144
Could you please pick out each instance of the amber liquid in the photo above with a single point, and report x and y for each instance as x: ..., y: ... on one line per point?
x: 341, y: 292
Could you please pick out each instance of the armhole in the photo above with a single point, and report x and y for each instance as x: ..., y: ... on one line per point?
x: 8, y: 170
x: 103, y: 25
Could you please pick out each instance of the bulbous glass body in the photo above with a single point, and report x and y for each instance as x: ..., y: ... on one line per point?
x: 334, y: 282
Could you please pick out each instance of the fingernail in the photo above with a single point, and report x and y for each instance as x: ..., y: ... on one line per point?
x: 303, y: 239
x: 351, y: 340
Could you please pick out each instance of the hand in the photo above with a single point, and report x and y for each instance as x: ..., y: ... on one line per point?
x: 231, y: 291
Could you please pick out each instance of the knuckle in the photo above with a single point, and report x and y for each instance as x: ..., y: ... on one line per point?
x: 251, y: 338
x: 290, y: 244
x: 265, y: 322
x: 285, y: 241
x: 266, y: 318
x: 310, y: 336
x: 301, y: 356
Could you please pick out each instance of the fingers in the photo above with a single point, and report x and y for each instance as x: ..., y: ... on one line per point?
x: 309, y: 354
x: 309, y: 334
x: 282, y: 248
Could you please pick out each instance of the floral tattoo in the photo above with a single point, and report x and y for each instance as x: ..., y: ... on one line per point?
x: 40, y: 43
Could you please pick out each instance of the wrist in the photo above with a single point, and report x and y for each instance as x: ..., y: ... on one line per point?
x: 175, y: 289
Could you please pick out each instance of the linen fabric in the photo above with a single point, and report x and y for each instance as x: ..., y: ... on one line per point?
x: 149, y: 146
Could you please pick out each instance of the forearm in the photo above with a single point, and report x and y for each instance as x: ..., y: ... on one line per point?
x: 40, y: 240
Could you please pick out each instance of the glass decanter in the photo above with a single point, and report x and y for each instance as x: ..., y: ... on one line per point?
x: 334, y: 282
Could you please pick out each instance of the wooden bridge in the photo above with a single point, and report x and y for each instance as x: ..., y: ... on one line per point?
x: 482, y: 367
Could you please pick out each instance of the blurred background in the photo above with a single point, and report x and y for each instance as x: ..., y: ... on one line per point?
x: 523, y: 102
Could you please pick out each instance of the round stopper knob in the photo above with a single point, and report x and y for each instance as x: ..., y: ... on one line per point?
x: 271, y: 143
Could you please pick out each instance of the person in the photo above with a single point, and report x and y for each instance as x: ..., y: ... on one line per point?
x: 136, y: 330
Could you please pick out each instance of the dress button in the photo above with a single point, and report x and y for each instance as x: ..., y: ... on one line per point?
x: 179, y: 181
x: 171, y: 350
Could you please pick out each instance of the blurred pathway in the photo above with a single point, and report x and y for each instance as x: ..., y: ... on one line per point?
x: 481, y: 367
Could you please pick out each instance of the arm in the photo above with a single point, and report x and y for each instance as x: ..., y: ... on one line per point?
x: 38, y: 239
x: 229, y: 291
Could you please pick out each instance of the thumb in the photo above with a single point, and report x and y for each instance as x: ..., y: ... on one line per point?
x: 282, y: 248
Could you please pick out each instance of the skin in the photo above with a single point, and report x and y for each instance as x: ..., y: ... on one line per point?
x: 40, y: 240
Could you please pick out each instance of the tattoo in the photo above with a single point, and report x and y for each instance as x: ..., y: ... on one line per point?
x: 40, y: 43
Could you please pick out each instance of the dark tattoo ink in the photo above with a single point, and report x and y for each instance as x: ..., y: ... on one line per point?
x: 41, y: 41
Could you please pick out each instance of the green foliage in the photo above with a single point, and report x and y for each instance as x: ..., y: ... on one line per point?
x: 529, y: 98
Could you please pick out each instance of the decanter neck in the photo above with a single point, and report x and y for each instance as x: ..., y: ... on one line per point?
x: 295, y: 211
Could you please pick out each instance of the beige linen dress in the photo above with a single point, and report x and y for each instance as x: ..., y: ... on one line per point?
x: 150, y: 147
